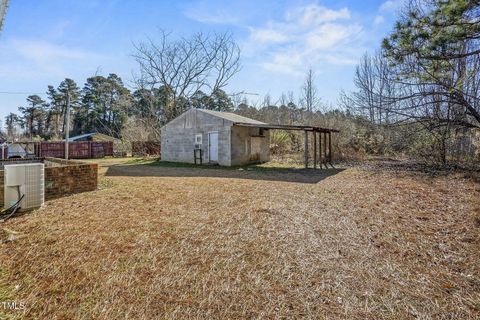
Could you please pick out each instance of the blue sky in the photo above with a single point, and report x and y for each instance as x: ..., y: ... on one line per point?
x: 44, y: 42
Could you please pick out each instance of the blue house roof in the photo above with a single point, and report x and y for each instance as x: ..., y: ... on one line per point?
x: 98, y: 136
x: 85, y: 135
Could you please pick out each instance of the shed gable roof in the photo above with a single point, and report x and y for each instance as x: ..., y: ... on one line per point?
x: 235, y: 118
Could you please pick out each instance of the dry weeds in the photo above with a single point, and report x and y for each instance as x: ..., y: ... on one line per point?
x: 157, y: 242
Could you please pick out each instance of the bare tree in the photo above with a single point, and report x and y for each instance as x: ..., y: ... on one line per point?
x: 309, y: 98
x: 282, y: 100
x: 267, y: 100
x: 376, y: 90
x: 185, y: 66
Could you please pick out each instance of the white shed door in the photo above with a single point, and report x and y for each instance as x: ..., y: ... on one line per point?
x: 213, y: 146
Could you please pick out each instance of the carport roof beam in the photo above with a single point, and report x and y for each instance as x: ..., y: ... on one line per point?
x: 286, y: 127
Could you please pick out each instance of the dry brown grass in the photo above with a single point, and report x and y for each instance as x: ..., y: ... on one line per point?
x: 156, y: 242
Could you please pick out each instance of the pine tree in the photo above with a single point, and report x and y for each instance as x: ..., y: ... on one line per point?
x: 33, y: 115
x: 12, y: 121
x: 434, y: 52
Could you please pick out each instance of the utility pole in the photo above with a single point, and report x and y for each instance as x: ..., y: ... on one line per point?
x: 67, y: 127
x: 3, y: 12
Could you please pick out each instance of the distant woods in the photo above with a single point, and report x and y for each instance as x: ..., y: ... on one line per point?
x: 105, y: 105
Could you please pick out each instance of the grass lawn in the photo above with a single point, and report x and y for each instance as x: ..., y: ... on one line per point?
x: 158, y: 240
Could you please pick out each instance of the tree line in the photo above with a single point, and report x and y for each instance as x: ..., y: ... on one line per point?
x: 104, y: 105
x: 418, y: 95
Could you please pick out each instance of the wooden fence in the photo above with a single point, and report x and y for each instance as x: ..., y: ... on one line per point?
x: 76, y: 150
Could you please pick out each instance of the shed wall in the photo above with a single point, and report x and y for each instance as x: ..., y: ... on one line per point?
x: 244, y: 142
x: 178, y: 137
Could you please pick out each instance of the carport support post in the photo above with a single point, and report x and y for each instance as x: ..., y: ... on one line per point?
x: 314, y: 150
x: 306, y: 149
x: 330, y: 147
x: 320, y: 149
x: 325, y: 149
x: 320, y: 156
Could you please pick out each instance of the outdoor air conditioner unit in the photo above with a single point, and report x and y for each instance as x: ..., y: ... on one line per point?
x: 27, y: 180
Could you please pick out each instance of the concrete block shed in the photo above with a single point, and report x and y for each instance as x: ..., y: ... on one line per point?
x: 224, y: 138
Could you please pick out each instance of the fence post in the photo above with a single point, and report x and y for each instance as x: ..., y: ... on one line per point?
x: 67, y: 125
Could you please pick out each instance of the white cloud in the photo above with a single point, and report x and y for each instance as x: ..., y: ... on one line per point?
x: 287, y: 61
x: 333, y: 59
x: 34, y: 58
x: 378, y: 20
x: 215, y: 18
x: 307, y: 35
x: 42, y: 51
x: 391, y: 5
x: 267, y: 35
x: 314, y: 14
x: 203, y: 12
x: 328, y: 36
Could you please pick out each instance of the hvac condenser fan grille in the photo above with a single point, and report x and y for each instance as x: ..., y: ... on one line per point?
x: 34, y: 184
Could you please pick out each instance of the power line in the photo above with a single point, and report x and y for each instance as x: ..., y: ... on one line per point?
x: 243, y: 93
x: 18, y: 92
